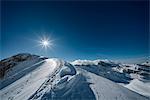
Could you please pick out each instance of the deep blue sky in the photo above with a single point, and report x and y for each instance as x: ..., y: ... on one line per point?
x: 81, y: 30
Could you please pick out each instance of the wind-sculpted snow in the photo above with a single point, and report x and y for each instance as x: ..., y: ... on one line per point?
x: 105, y: 89
x: 67, y: 69
x: 135, y: 77
x: 77, y: 88
x: 83, y: 85
x: 103, y: 68
x: 59, y: 77
x: 107, y: 73
x: 55, y: 79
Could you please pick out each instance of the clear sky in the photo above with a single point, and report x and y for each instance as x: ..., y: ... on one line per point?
x: 80, y: 30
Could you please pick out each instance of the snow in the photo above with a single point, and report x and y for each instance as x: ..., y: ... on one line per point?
x: 134, y: 81
x: 55, y: 79
x: 89, y: 62
x: 140, y: 87
x: 88, y: 86
x: 19, y: 71
x: 67, y: 69
x: 105, y: 89
x: 84, y: 85
x: 107, y: 72
x: 30, y: 82
x: 146, y: 63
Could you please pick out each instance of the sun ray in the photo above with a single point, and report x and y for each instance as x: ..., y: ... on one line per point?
x: 45, y: 42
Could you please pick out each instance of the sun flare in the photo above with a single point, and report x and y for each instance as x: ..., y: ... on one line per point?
x: 45, y: 42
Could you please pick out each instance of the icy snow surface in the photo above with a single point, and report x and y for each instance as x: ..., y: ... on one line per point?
x: 54, y: 79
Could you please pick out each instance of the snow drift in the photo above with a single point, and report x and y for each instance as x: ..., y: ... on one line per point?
x: 38, y: 78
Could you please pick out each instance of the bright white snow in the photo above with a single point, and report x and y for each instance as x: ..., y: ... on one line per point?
x: 54, y: 79
x: 140, y: 87
x: 23, y: 88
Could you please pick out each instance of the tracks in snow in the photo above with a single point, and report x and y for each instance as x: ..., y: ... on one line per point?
x: 47, y: 85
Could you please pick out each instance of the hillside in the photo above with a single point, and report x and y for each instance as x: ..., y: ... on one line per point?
x: 39, y: 78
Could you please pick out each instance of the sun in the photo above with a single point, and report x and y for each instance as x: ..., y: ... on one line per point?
x: 45, y: 42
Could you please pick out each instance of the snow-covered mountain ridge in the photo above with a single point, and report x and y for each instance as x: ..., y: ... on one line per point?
x: 39, y: 78
x: 139, y: 71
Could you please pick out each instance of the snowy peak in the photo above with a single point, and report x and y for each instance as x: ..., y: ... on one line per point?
x: 7, y: 64
x: 135, y: 77
x: 38, y: 78
x: 94, y: 62
x: 131, y: 70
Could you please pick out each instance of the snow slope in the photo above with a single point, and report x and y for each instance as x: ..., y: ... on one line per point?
x: 55, y: 79
x: 24, y: 87
x: 140, y: 87
x: 84, y: 85
x: 135, y: 77
x: 105, y: 89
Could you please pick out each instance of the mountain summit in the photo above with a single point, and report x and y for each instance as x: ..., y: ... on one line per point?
x: 31, y: 77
